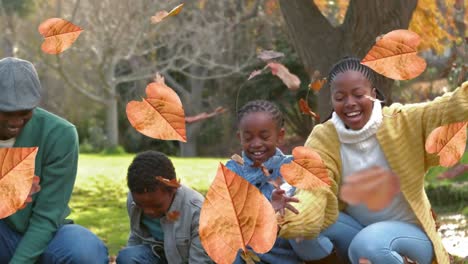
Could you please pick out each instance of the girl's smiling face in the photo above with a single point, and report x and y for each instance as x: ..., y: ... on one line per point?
x: 259, y: 135
x: 350, y: 92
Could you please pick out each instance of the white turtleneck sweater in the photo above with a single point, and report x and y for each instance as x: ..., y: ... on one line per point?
x: 7, y: 143
x: 361, y: 150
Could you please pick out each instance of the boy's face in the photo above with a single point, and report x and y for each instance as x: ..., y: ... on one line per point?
x: 349, y: 97
x: 154, y: 204
x: 11, y: 123
x: 259, y: 135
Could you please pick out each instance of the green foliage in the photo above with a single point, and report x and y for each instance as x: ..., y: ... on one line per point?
x: 114, y: 150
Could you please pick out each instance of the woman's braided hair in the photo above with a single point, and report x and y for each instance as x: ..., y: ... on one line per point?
x: 354, y: 64
x: 351, y: 64
x: 261, y: 106
x: 142, y: 172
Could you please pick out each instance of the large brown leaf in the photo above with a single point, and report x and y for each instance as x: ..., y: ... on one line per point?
x: 16, y: 178
x: 306, y: 171
x: 290, y: 80
x: 235, y: 215
x: 59, y: 35
x: 394, y: 55
x: 160, y: 115
x: 448, y: 142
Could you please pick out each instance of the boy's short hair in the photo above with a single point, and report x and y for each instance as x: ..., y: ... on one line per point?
x: 145, y: 167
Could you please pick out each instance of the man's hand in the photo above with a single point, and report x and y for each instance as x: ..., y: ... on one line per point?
x: 376, y: 187
x: 280, y: 201
x: 35, y: 188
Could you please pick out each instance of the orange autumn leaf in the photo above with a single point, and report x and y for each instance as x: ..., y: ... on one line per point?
x: 16, y: 178
x: 394, y: 55
x: 305, y: 109
x: 235, y: 215
x: 174, y: 183
x: 448, y: 142
x: 375, y: 187
x: 160, y: 115
x: 307, y: 170
x: 159, y: 16
x: 238, y: 159
x: 173, y: 216
x: 290, y: 80
x: 59, y: 35
x: 317, y: 84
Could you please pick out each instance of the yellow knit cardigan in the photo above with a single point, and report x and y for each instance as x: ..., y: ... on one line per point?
x: 402, y: 138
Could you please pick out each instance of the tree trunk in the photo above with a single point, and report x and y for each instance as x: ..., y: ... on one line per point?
x: 320, y: 45
x: 112, y: 125
x: 193, y: 106
x: 189, y: 149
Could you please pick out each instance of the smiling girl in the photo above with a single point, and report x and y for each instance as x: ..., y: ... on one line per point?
x: 260, y: 131
x: 362, y: 137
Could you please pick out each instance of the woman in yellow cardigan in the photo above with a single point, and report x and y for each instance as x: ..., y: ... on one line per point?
x: 364, y: 137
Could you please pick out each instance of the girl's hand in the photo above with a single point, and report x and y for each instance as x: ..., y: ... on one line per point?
x: 280, y: 201
x: 376, y: 187
x: 35, y: 188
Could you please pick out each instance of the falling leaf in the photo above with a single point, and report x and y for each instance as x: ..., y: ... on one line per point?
x: 59, y: 35
x: 235, y: 215
x: 289, y: 79
x: 318, y: 209
x: 254, y: 73
x: 173, y: 216
x: 456, y: 171
x: 306, y: 171
x: 260, y: 165
x: 317, y: 84
x: 376, y: 187
x: 373, y: 99
x: 161, y: 15
x: 16, y: 178
x: 395, y: 55
x: 205, y: 115
x: 448, y: 142
x: 305, y: 109
x: 267, y: 55
x: 238, y: 159
x: 160, y: 115
x: 174, y: 183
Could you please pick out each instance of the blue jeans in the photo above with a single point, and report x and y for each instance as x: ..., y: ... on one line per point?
x: 140, y: 254
x: 71, y: 244
x: 382, y: 242
x: 292, y: 252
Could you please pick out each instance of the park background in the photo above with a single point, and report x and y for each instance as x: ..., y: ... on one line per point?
x: 206, y: 54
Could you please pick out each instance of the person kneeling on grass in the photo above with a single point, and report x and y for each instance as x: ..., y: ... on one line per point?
x: 163, y: 214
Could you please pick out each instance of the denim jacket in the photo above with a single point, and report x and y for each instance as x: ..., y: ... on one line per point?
x: 256, y: 177
x: 181, y: 240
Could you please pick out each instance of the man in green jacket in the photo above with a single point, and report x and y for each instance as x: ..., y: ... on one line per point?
x: 39, y: 233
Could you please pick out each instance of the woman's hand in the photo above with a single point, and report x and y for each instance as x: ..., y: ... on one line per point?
x: 376, y: 187
x: 280, y: 201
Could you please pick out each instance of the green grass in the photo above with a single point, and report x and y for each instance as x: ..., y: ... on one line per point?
x: 98, y: 200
